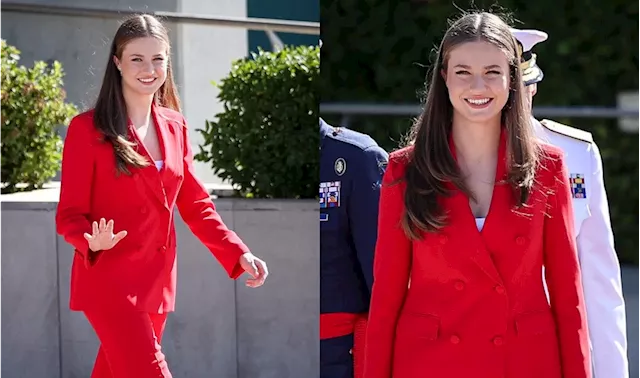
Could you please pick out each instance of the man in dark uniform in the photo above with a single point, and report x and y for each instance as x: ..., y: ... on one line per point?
x: 351, y: 169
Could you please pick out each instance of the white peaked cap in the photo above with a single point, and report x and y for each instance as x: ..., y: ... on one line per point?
x: 529, y: 37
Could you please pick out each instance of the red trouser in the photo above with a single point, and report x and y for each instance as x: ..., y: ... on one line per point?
x: 129, y: 344
x: 341, y: 324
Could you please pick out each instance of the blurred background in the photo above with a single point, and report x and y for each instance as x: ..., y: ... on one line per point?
x: 247, y: 73
x: 376, y: 53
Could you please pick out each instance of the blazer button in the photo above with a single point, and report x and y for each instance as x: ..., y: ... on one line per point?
x: 454, y: 339
x: 443, y: 239
x: 498, y: 341
x: 499, y: 289
x: 163, y: 249
x: 520, y: 240
x: 459, y: 285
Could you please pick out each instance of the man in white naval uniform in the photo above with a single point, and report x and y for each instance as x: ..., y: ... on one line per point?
x: 598, y: 260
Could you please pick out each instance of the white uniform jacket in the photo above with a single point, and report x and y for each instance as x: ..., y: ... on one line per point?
x: 598, y: 260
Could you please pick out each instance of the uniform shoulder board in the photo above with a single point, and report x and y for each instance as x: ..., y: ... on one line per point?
x: 352, y: 137
x: 569, y: 131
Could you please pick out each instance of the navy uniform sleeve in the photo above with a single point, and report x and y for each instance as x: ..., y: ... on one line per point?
x: 363, y: 207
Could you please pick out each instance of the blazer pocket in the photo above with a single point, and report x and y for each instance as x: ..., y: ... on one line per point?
x: 420, y: 326
x: 535, y: 324
x: 92, y: 258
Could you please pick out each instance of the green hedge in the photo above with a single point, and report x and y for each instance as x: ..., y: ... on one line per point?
x: 33, y: 106
x: 379, y: 51
x: 266, y: 139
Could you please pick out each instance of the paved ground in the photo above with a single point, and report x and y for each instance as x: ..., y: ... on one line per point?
x: 630, y: 288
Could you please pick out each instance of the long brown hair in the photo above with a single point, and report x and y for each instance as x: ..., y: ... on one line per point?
x: 110, y: 113
x: 430, y: 161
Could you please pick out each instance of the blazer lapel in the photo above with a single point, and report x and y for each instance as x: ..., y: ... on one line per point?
x: 150, y: 174
x: 480, y: 254
x: 172, y: 157
x: 501, y: 196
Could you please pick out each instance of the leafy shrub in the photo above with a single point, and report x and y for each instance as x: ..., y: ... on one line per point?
x: 266, y: 139
x: 33, y: 106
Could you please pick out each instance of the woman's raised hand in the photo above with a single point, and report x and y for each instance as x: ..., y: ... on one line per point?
x: 103, y: 238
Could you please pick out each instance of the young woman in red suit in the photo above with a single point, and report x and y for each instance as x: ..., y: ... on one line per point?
x: 126, y: 165
x: 470, y: 212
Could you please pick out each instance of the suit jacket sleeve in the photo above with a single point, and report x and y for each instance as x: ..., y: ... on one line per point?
x: 602, y: 283
x: 74, y: 206
x: 199, y: 213
x: 563, y: 278
x: 392, y: 264
x: 363, y: 208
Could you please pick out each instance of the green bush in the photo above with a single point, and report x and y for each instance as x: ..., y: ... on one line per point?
x: 266, y: 139
x: 379, y: 51
x: 33, y: 106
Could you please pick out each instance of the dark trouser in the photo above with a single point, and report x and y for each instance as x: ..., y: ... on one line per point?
x: 336, y: 360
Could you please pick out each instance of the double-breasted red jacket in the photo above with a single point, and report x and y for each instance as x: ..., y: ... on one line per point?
x: 141, y: 268
x: 476, y: 306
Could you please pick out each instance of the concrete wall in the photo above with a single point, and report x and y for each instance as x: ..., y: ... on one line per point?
x: 220, y: 328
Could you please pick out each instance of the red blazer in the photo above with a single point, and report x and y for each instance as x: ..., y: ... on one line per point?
x: 476, y: 304
x: 141, y: 268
